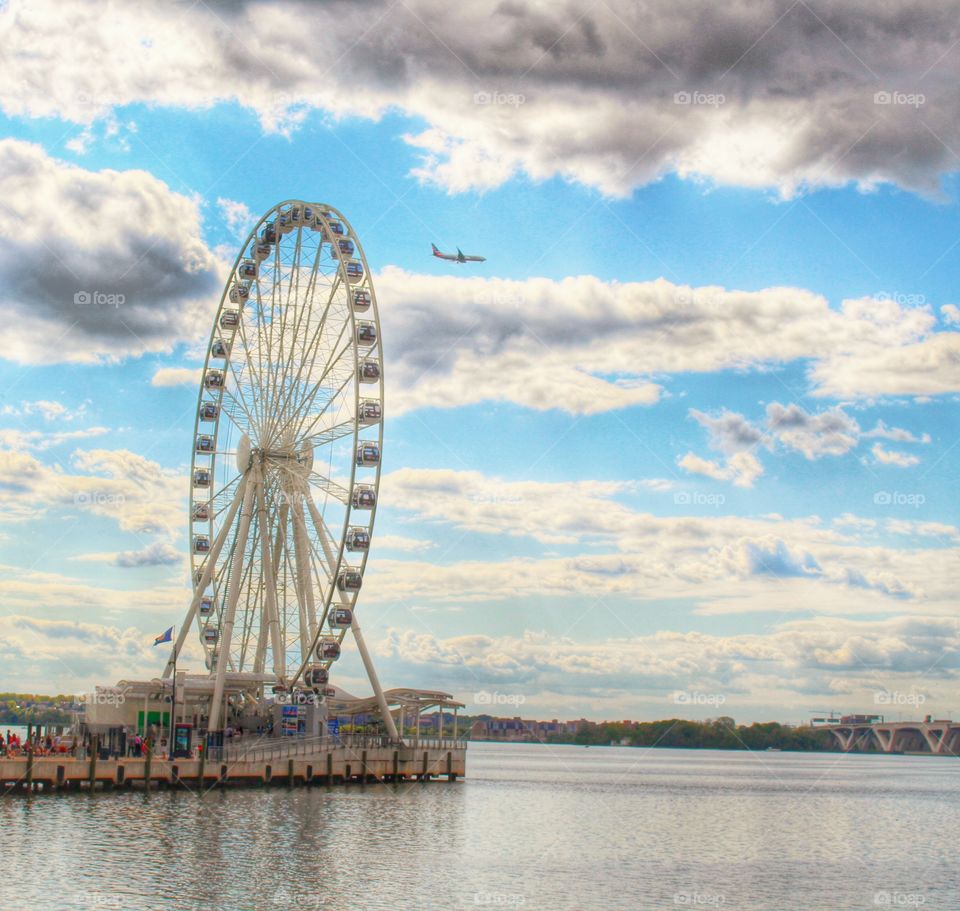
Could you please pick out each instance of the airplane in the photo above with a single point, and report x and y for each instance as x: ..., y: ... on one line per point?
x: 459, y: 257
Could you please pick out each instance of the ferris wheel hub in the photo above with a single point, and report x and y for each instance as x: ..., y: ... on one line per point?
x: 244, y: 453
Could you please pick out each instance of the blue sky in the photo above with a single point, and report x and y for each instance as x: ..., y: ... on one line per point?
x: 691, y: 429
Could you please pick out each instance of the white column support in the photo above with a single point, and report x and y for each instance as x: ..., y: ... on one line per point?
x: 303, y: 563
x: 374, y: 681
x: 319, y: 526
x: 321, y: 530
x: 233, y: 595
x: 270, y: 589
x: 208, y: 568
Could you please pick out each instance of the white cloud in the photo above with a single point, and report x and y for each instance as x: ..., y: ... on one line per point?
x: 160, y: 553
x: 781, y: 667
x: 40, y: 440
x: 237, y: 215
x: 831, y: 432
x: 138, y: 494
x: 722, y: 563
x: 734, y: 436
x: 48, y: 410
x: 896, y: 434
x: 742, y: 468
x: 729, y: 432
x: 924, y: 529
x: 776, y: 95
x: 951, y: 314
x: 402, y: 543
x: 923, y: 368
x: 177, y: 376
x: 98, y: 265
x: 580, y: 345
x: 587, y: 346
x: 65, y: 654
x: 883, y: 456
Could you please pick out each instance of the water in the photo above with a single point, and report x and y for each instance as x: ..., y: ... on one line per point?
x: 533, y: 827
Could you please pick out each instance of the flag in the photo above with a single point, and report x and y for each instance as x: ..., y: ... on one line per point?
x: 166, y: 637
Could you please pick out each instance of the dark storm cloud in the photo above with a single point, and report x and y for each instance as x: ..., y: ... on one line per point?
x: 96, y: 263
x: 778, y: 94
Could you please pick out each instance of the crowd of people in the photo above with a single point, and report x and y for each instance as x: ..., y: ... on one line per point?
x: 14, y: 745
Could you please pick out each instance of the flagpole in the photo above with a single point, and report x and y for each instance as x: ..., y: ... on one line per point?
x: 173, y: 704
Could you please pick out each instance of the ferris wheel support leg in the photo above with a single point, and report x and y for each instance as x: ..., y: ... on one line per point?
x: 270, y: 592
x: 374, y: 681
x: 308, y: 611
x: 321, y: 532
x: 331, y: 560
x: 280, y: 664
x: 208, y: 568
x: 233, y: 595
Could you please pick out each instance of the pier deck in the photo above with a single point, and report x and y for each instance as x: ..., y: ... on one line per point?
x: 291, y: 765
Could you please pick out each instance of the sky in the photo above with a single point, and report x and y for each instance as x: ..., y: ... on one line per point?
x: 686, y: 444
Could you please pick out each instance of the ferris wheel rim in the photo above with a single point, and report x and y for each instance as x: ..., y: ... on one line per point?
x: 357, y: 427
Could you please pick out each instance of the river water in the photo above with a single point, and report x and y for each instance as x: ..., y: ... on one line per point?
x: 532, y: 826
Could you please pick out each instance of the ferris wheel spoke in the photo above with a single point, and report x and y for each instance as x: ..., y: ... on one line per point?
x: 221, y: 500
x: 302, y: 412
x: 286, y: 333
x: 306, y: 432
x: 330, y: 435
x: 234, y: 411
x: 296, y: 602
x: 290, y: 304
x: 233, y: 595
x: 331, y: 488
x: 292, y: 385
x: 323, y: 533
x: 251, y: 363
x: 321, y: 323
x: 253, y: 582
x: 243, y: 610
x: 325, y: 561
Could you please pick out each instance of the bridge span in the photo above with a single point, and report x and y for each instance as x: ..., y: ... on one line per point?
x: 939, y: 737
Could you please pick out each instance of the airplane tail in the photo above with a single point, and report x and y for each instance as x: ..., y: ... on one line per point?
x: 434, y: 246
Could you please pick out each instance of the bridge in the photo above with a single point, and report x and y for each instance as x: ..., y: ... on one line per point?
x: 863, y: 734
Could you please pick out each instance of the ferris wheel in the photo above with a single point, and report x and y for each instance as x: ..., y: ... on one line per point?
x: 285, y: 462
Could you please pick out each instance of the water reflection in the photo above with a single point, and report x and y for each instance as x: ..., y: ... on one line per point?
x: 537, y: 827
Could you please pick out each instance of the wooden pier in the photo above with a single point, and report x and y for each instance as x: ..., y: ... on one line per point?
x: 303, y: 763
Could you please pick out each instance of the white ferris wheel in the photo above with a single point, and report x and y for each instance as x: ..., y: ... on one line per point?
x: 286, y: 458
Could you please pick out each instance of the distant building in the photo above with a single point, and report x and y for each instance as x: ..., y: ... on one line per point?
x: 520, y: 730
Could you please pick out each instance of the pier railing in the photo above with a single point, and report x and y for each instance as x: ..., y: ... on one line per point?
x: 437, y: 743
x: 262, y: 749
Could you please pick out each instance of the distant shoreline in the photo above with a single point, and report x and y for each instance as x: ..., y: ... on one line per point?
x: 659, y: 746
x: 690, y: 749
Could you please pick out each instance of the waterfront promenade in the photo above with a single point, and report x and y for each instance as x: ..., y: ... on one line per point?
x: 321, y: 760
